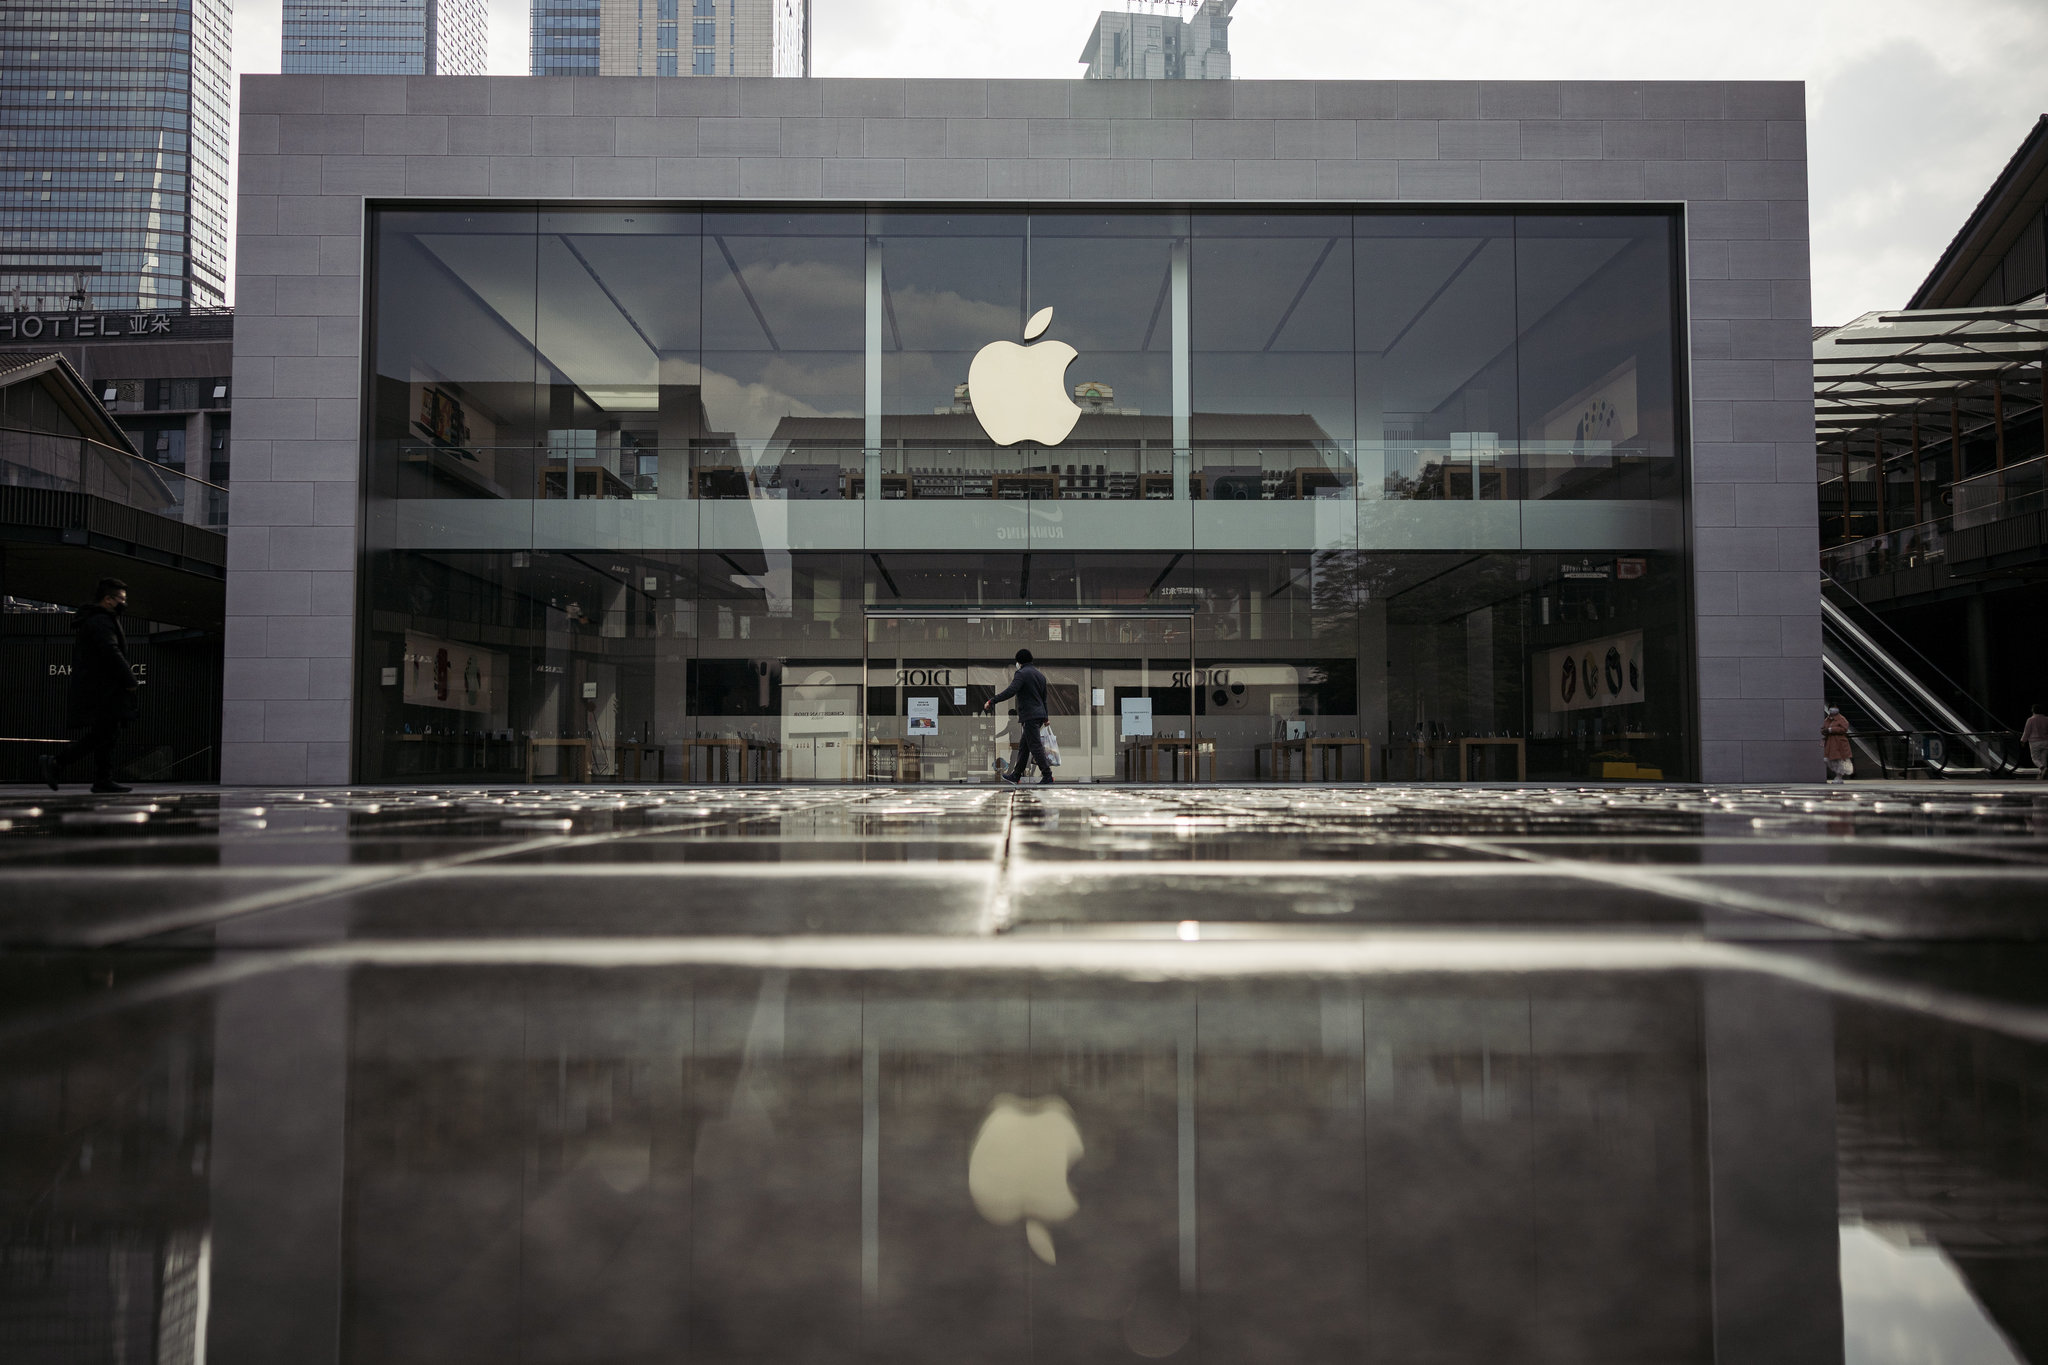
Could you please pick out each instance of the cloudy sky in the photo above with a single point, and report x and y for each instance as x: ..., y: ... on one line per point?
x: 1914, y: 104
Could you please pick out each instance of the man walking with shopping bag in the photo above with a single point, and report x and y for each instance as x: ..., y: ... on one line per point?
x: 1029, y: 688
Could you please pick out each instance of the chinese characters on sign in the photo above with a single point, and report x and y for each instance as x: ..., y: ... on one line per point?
x: 78, y: 326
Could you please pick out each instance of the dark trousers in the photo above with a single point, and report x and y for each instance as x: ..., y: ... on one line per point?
x: 97, y: 741
x: 1031, y: 749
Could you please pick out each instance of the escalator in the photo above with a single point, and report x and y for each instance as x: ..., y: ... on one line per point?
x: 1906, y: 717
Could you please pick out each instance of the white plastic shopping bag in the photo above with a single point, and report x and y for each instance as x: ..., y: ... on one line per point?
x: 1052, y: 745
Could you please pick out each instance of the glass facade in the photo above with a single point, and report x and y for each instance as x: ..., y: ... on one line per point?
x: 114, y: 155
x: 562, y: 39
x: 386, y: 37
x: 706, y: 495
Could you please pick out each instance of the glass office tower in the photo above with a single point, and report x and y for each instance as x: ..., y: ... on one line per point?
x: 386, y: 37
x: 114, y: 155
x: 709, y: 494
x: 563, y: 38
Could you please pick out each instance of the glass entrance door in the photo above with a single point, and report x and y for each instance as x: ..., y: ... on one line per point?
x: 1121, y: 703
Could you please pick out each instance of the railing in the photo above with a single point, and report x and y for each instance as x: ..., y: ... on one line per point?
x: 1278, y: 471
x: 1944, y: 754
x: 75, y: 464
x: 1904, y: 549
x: 1985, y: 498
x: 1979, y: 501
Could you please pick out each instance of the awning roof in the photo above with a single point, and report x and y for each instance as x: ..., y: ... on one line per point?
x: 1884, y: 366
x: 73, y: 395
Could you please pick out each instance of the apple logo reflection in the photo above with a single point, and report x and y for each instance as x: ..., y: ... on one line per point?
x: 1018, y: 1167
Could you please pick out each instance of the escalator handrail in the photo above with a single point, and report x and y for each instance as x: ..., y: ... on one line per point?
x: 1897, y: 648
x: 1848, y: 684
x: 1908, y: 684
x: 1902, y: 677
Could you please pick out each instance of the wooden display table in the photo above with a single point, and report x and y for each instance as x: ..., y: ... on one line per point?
x: 904, y: 761
x: 1330, y: 750
x: 1422, y: 757
x: 725, y: 756
x: 640, y: 753
x: 579, y: 747
x: 1466, y: 746
x: 1145, y: 753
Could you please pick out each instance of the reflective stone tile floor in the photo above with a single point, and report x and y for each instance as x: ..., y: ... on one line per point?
x: 1088, y: 1074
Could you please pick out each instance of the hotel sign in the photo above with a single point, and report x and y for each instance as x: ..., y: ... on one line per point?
x: 78, y: 326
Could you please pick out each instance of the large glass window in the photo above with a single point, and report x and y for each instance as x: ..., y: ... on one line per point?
x: 616, y: 331
x: 455, y: 407
x: 1593, y: 303
x: 659, y: 491
x: 1108, y: 277
x: 1436, y: 355
x: 784, y: 351
x: 1271, y: 354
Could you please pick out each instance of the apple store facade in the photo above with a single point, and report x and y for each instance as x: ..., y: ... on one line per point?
x: 757, y: 487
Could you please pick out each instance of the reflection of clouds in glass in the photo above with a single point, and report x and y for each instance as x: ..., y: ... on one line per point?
x: 813, y: 303
x: 1108, y: 293
x: 752, y: 408
x: 919, y: 381
x: 1908, y: 1305
x: 943, y: 320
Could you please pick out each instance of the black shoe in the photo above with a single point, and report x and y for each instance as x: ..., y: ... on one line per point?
x: 109, y: 789
x: 46, y: 764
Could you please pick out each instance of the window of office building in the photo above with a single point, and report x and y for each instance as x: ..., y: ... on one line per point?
x: 704, y: 63
x: 777, y: 494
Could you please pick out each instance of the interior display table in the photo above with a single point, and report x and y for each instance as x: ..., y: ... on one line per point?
x: 579, y: 748
x: 1470, y: 743
x: 1330, y: 750
x: 1144, y: 754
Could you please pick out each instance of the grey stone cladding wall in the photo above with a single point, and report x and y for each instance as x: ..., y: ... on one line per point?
x: 314, y: 148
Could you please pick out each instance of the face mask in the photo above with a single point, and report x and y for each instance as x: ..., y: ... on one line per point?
x: 120, y: 609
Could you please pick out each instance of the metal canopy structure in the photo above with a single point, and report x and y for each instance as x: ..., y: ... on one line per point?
x: 1886, y: 366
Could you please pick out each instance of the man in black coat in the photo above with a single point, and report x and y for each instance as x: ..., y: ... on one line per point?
x: 102, y: 697
x: 1028, y: 687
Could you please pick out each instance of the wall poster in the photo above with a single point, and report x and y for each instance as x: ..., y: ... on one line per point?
x: 452, y: 676
x: 1603, y: 672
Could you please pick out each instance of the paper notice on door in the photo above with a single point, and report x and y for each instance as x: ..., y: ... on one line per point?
x: 924, y: 717
x: 1136, y: 717
x: 959, y: 696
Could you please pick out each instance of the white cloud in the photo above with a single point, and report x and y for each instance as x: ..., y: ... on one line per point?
x: 1914, y: 104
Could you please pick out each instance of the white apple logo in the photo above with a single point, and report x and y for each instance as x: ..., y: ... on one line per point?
x: 1018, y: 1168
x: 1019, y: 392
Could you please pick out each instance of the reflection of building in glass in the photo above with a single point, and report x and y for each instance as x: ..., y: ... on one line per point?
x: 115, y: 160
x: 386, y: 37
x: 1150, y: 46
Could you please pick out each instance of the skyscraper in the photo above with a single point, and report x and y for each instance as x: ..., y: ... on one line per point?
x: 113, y: 154
x: 564, y: 38
x: 1156, y: 47
x: 385, y: 37
x: 671, y: 37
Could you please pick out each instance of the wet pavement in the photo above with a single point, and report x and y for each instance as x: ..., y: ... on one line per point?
x: 1088, y: 1074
